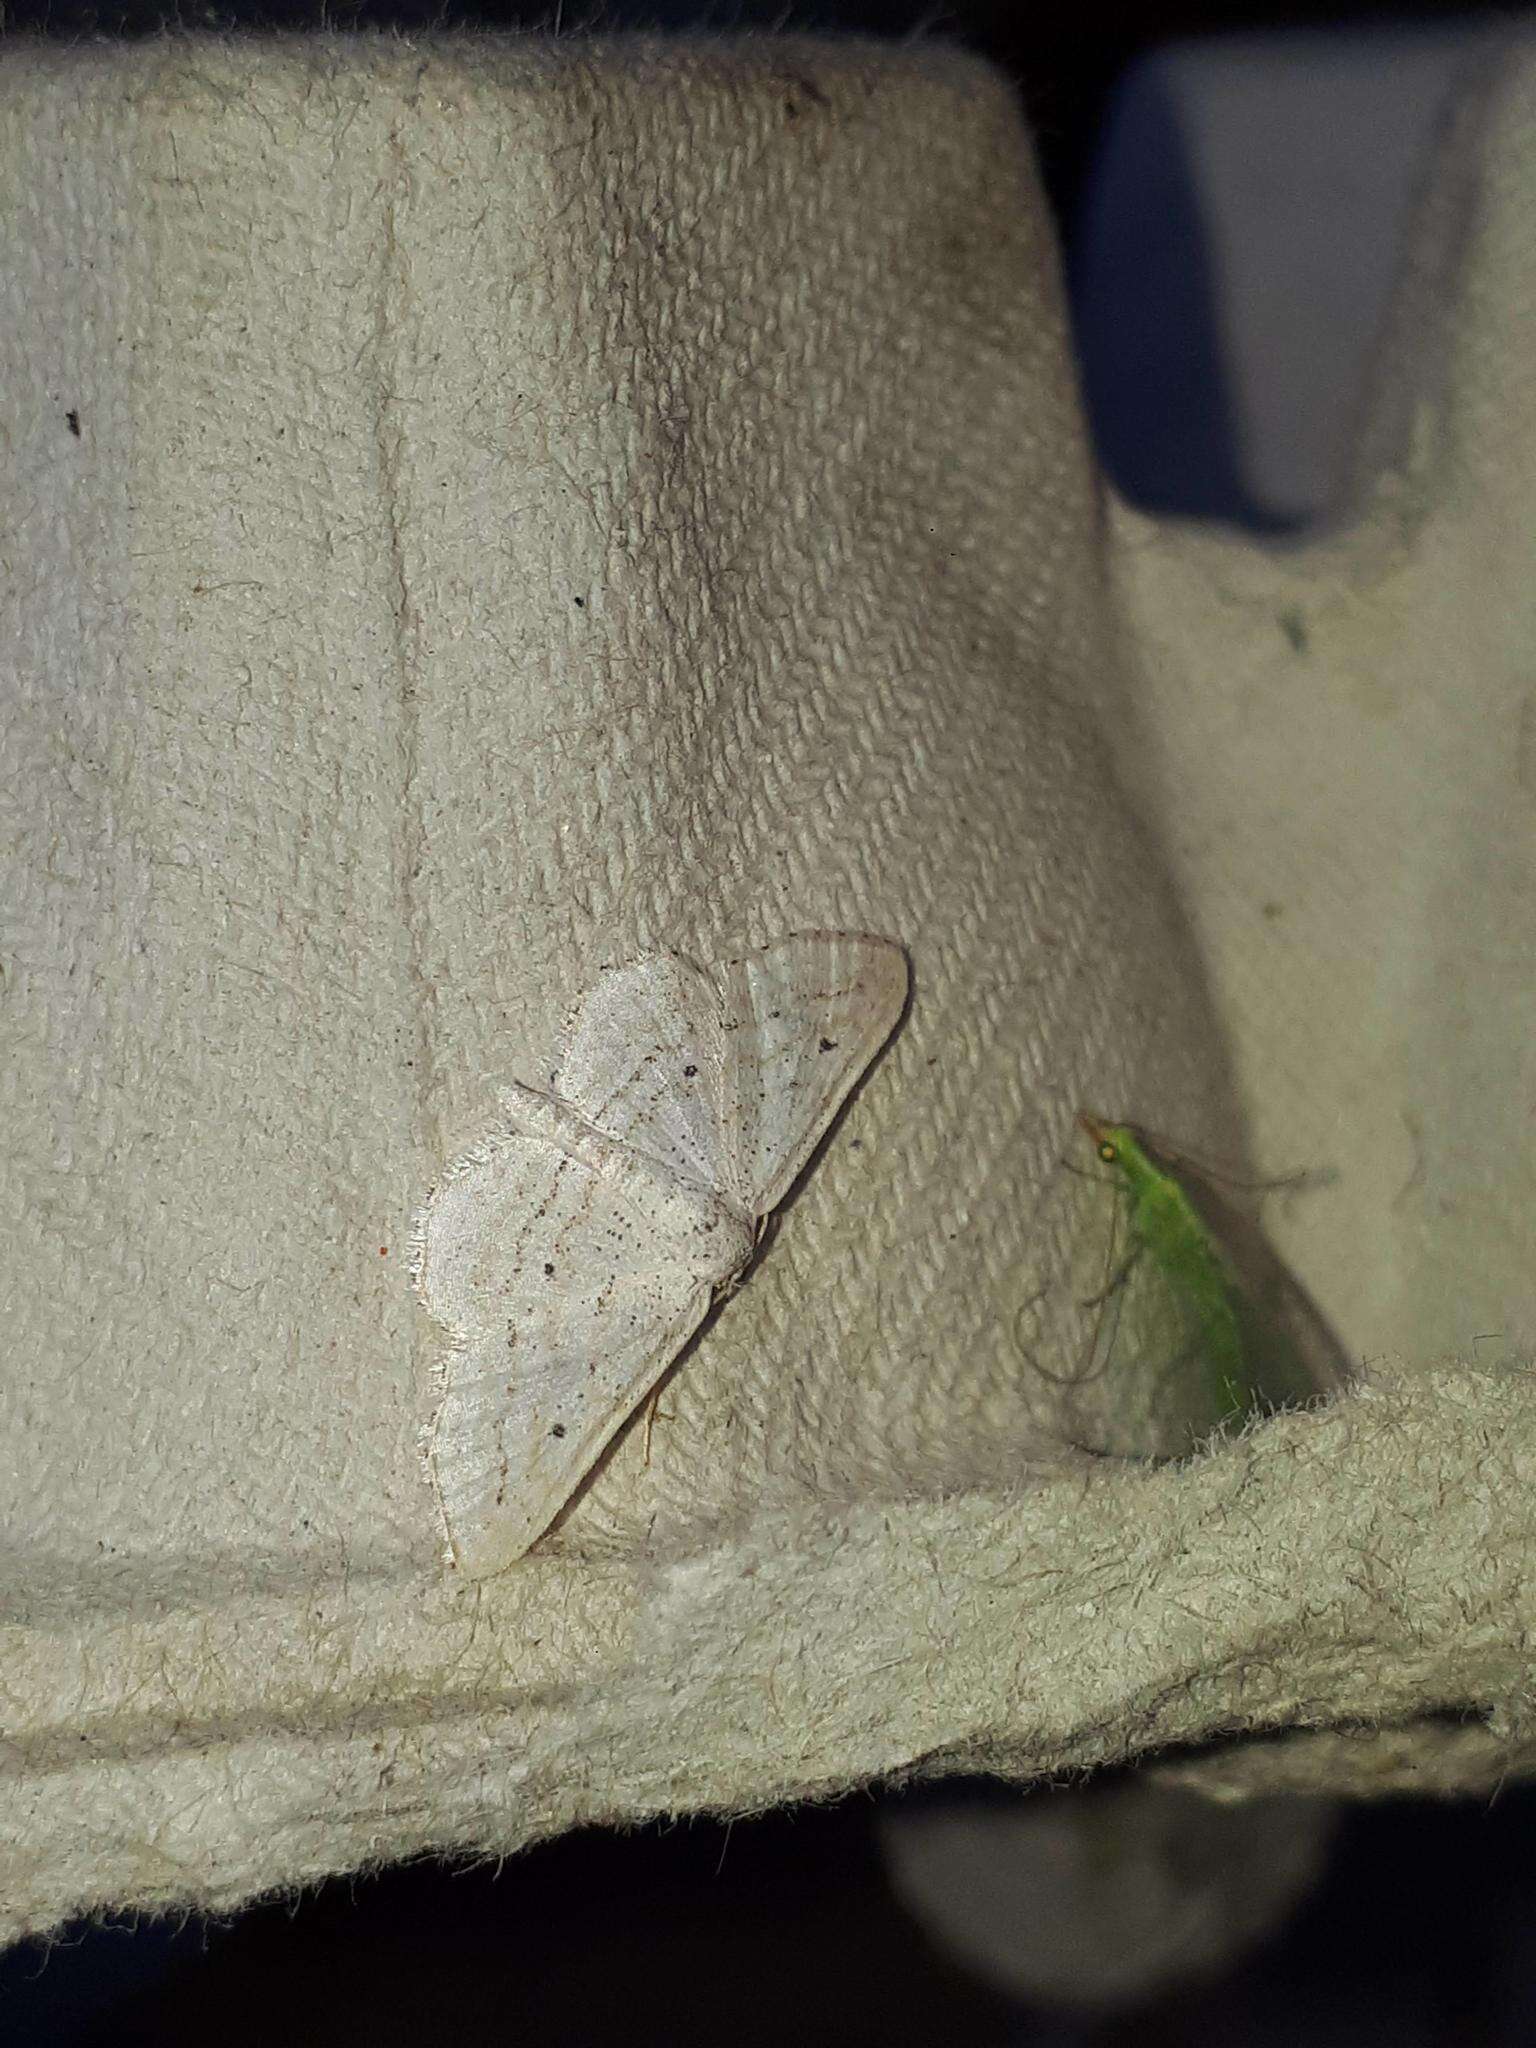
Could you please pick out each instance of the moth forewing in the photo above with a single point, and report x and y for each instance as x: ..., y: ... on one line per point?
x: 571, y: 1254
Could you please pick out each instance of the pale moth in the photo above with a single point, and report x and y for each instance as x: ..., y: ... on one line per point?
x: 571, y: 1254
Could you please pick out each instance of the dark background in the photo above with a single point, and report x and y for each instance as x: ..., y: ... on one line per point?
x: 784, y: 1929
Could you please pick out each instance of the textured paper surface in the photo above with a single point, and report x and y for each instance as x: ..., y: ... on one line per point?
x: 532, y: 506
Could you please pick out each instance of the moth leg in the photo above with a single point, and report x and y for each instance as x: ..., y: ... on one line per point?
x: 652, y: 1412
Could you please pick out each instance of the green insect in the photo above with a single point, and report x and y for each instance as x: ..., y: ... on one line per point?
x: 1196, y: 1324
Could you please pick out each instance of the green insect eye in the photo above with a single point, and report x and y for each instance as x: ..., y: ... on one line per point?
x: 1108, y: 1153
